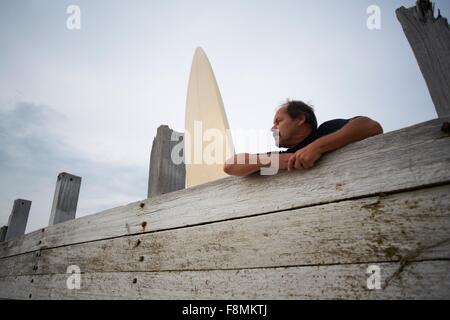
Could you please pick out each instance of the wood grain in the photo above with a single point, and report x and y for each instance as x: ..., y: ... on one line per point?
x: 409, y: 226
x: 421, y: 280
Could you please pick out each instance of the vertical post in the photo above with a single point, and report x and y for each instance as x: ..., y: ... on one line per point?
x: 429, y: 38
x: 3, y: 231
x: 18, y: 219
x: 166, y: 174
x: 65, y: 200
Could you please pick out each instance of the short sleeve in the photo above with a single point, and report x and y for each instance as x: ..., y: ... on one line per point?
x: 331, y: 126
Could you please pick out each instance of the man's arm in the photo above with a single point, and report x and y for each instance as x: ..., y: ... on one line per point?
x: 246, y: 164
x: 356, y: 130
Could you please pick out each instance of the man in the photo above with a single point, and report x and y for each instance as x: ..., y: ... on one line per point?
x: 295, y: 128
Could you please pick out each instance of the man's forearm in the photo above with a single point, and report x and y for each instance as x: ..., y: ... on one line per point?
x: 244, y: 164
x: 356, y: 130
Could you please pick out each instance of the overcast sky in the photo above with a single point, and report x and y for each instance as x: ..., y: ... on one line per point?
x: 89, y: 101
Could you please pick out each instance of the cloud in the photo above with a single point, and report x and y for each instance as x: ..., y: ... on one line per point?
x: 27, y: 138
x: 33, y: 150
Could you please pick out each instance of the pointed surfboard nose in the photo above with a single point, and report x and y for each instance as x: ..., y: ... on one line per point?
x: 199, y: 51
x: 201, y: 60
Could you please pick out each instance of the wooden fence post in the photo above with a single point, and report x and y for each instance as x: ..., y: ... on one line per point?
x: 3, y: 231
x: 18, y: 219
x: 165, y: 175
x: 65, y: 200
x: 429, y: 38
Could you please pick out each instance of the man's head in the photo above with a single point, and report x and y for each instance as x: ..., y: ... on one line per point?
x: 292, y: 123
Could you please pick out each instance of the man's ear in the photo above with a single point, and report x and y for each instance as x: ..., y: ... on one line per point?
x: 301, y: 120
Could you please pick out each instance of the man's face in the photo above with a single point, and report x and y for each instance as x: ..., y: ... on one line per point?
x: 284, y: 128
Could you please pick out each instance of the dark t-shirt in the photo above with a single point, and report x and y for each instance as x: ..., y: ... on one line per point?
x: 324, y: 129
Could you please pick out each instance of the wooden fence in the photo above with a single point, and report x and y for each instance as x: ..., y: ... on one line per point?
x: 383, y: 201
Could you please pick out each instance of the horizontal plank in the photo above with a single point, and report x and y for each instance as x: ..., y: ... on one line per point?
x: 419, y: 280
x: 407, y: 226
x: 410, y: 158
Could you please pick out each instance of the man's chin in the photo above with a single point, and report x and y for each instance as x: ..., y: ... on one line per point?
x: 278, y: 144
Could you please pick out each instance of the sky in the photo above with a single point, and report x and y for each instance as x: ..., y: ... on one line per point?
x: 88, y: 101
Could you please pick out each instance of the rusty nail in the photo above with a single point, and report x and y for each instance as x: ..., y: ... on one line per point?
x: 138, y: 242
x: 446, y: 127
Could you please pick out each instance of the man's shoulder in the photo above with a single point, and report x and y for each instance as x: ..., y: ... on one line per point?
x: 331, y: 126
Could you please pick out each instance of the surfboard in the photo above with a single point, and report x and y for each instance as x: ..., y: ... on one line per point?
x: 205, y: 122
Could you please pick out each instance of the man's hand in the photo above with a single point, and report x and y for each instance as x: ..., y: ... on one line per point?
x: 284, y: 160
x: 304, y: 158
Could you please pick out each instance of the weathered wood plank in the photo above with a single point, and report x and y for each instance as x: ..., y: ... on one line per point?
x: 3, y: 231
x: 421, y: 280
x: 411, y: 158
x: 65, y: 199
x: 429, y: 38
x: 18, y: 219
x: 164, y: 175
x: 400, y: 227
